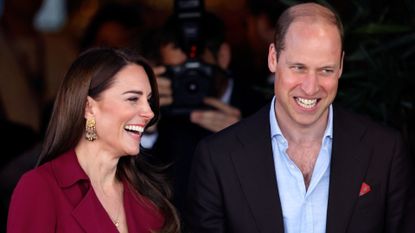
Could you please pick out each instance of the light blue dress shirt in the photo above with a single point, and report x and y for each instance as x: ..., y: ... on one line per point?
x: 304, y: 211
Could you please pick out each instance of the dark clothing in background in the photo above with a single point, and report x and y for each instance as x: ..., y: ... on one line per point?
x: 16, y: 140
x: 178, y: 138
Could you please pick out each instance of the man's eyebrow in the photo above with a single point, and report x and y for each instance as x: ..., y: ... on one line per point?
x: 329, y: 66
x: 332, y: 66
x: 295, y: 63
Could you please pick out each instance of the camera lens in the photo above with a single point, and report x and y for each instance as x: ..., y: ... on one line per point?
x: 192, y: 87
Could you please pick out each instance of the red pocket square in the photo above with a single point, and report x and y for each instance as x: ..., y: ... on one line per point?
x: 365, y: 188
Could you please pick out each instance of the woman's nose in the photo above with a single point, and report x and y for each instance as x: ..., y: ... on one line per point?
x: 146, y: 111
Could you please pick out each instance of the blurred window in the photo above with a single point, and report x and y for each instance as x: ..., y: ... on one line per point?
x: 51, y: 16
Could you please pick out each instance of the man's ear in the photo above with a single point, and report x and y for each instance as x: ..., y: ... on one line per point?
x: 90, y: 106
x: 272, y: 58
x: 224, y: 56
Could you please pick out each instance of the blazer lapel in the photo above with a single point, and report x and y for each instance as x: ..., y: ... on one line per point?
x: 349, y: 161
x: 91, y: 215
x: 255, y: 168
x: 87, y: 210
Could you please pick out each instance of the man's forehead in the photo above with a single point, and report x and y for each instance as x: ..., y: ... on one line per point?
x: 311, y: 9
x: 303, y: 27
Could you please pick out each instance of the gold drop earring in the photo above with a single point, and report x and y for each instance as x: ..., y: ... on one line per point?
x: 90, y: 130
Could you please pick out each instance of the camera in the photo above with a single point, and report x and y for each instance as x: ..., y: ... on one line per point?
x: 194, y: 79
x: 191, y: 82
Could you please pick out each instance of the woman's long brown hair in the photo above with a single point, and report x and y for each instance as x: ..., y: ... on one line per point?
x: 92, y: 73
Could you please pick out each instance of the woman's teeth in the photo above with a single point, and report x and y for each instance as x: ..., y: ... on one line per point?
x: 134, y: 128
x: 306, y: 103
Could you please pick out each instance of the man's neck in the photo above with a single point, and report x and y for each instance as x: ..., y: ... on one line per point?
x: 302, y: 134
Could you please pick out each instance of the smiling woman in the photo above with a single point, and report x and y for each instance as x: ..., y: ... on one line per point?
x: 92, y: 175
x: 122, y: 111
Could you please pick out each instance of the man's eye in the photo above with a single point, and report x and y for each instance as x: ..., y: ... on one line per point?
x: 327, y: 71
x: 297, y: 68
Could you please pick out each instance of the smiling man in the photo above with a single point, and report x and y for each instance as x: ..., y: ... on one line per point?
x: 301, y: 164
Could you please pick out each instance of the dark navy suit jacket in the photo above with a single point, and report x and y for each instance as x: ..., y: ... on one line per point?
x: 233, y: 187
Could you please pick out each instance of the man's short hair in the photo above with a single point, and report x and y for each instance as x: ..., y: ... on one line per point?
x: 311, y: 10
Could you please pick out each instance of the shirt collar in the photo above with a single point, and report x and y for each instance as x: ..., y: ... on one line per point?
x: 226, y: 97
x: 276, y: 130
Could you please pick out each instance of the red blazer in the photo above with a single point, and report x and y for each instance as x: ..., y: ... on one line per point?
x: 58, y: 197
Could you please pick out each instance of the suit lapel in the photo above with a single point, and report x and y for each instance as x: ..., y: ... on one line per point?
x: 255, y: 168
x: 349, y: 161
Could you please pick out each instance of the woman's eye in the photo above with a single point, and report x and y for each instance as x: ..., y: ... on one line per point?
x: 133, y: 99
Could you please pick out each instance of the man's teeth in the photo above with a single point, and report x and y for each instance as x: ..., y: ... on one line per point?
x: 134, y: 128
x: 306, y: 103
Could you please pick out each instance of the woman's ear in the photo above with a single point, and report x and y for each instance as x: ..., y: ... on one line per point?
x: 89, y: 107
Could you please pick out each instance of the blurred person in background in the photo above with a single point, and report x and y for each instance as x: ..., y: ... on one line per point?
x: 115, y: 25
x: 16, y: 139
x: 176, y: 136
x: 32, y: 64
x: 78, y: 15
x: 261, y: 16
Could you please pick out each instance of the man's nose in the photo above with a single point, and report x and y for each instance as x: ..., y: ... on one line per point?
x: 311, y: 84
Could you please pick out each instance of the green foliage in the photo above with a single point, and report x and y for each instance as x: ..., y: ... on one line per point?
x: 379, y: 65
x: 378, y: 79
